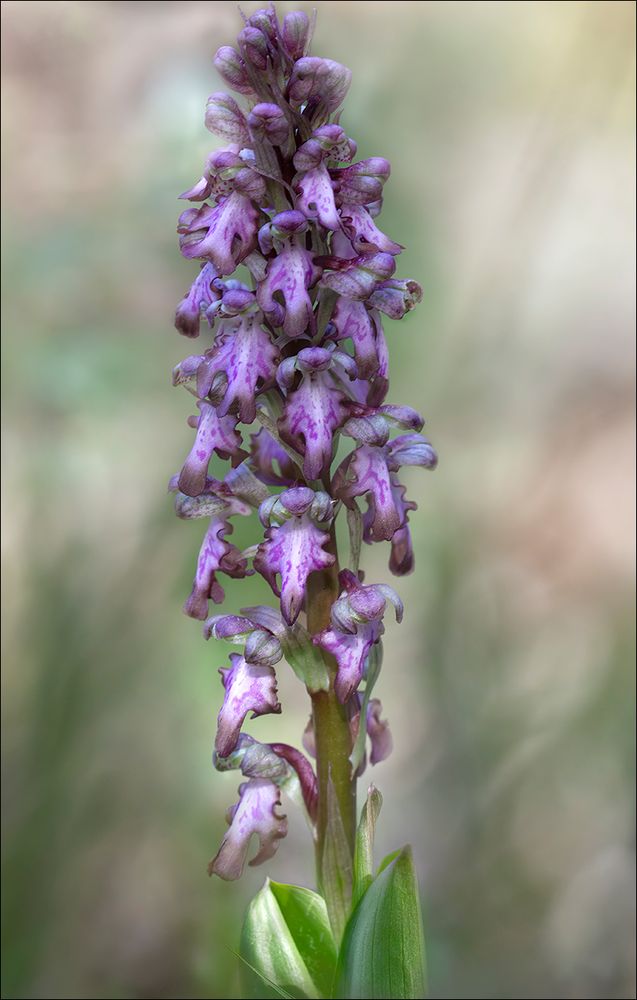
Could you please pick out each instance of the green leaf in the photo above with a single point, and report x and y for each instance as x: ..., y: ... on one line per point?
x: 363, y: 853
x: 383, y: 950
x: 336, y: 866
x: 286, y: 944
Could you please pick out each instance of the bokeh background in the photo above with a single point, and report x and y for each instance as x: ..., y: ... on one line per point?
x: 509, y: 685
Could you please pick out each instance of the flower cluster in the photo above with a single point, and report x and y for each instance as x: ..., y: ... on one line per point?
x: 296, y: 360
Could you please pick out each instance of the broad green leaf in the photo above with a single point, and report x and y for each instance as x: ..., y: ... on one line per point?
x: 363, y: 854
x: 336, y: 866
x: 305, y: 913
x: 286, y: 944
x: 383, y: 950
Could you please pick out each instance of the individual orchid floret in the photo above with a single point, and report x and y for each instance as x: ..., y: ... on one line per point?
x: 361, y: 183
x: 379, y: 733
x: 313, y: 184
x: 364, y: 234
x: 243, y: 355
x: 396, y: 298
x: 225, y: 118
x: 199, y: 298
x: 254, y: 47
x: 225, y: 234
x: 356, y: 278
x: 292, y: 550
x: 367, y: 472
x: 318, y: 83
x: 352, y: 319
x: 214, y: 434
x: 232, y: 68
x: 356, y: 625
x: 261, y: 646
x: 289, y: 277
x: 267, y: 122
x: 316, y: 408
x: 295, y: 33
x: 255, y: 813
x: 248, y: 687
x: 216, y: 554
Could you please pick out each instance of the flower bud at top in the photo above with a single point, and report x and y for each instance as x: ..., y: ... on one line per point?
x: 265, y: 20
x: 231, y: 67
x: 295, y: 33
x: 322, y: 79
x: 254, y: 47
x: 267, y: 121
x: 225, y: 118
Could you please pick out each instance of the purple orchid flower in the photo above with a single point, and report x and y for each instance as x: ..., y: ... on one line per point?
x: 255, y: 813
x: 296, y: 345
x: 293, y: 549
x: 356, y: 626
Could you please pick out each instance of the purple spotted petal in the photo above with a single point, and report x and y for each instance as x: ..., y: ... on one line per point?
x: 312, y: 413
x: 378, y: 732
x: 244, y: 352
x: 289, y: 276
x: 224, y: 234
x: 352, y: 319
x: 215, y: 554
x: 293, y: 550
x: 248, y: 687
x: 363, y: 233
x: 350, y: 652
x: 365, y: 473
x: 214, y: 433
x: 271, y: 463
x: 255, y: 813
x: 316, y: 197
x: 200, y: 296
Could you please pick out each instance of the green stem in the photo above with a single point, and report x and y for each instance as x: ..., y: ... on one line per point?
x: 336, y: 823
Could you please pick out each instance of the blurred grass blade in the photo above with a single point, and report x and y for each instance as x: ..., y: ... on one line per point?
x: 364, y: 850
x: 383, y: 950
x: 286, y: 944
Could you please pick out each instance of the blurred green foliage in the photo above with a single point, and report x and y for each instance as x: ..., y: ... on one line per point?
x: 509, y: 684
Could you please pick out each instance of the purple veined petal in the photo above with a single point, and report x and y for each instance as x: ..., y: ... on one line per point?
x: 367, y: 474
x: 364, y: 234
x: 350, y: 652
x: 244, y: 352
x: 200, y: 296
x: 312, y: 413
x: 215, y: 554
x: 255, y: 813
x: 295, y: 33
x: 289, y: 275
x: 225, y: 118
x: 396, y: 298
x: 353, y: 320
x: 224, y: 234
x: 271, y: 464
x: 214, y: 433
x: 294, y: 550
x: 379, y: 733
x: 411, y: 449
x: 315, y: 197
x: 248, y: 687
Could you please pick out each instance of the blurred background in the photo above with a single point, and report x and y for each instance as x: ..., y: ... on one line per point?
x: 509, y: 685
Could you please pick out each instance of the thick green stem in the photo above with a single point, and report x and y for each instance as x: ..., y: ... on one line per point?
x: 336, y: 823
